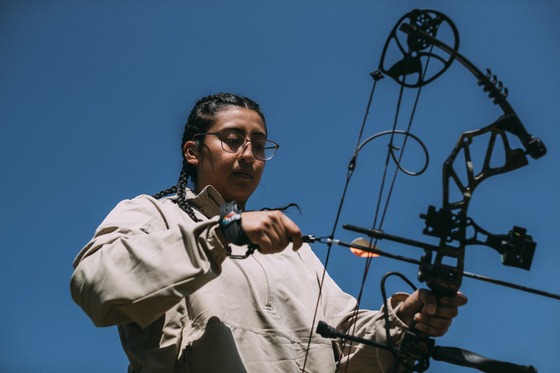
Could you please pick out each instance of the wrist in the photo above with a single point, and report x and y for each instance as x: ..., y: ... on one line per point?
x: 230, y: 224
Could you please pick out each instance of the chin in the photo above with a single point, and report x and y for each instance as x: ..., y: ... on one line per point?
x: 242, y: 193
x: 241, y: 199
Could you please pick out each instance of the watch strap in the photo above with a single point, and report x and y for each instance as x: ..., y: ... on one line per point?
x: 230, y: 224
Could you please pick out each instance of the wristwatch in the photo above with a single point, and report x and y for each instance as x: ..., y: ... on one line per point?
x: 230, y: 224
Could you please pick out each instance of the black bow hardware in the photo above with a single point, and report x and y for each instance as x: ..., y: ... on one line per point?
x: 420, y: 48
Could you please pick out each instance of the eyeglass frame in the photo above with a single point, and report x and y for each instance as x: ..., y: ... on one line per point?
x: 242, y: 147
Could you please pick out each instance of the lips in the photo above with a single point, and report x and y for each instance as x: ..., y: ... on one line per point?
x: 244, y: 174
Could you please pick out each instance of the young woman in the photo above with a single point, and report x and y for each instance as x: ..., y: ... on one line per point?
x: 176, y: 275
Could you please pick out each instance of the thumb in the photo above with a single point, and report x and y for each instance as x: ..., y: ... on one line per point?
x: 420, y: 300
x: 428, y: 300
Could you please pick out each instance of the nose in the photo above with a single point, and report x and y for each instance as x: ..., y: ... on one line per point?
x: 247, y: 151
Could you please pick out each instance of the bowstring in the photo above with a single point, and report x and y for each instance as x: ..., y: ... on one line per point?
x: 330, y: 243
x: 369, y: 260
x: 376, y: 76
x: 390, y: 154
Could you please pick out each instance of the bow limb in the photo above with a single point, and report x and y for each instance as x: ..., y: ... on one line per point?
x: 534, y: 146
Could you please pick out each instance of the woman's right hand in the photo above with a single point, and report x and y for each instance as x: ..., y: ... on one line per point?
x: 271, y: 230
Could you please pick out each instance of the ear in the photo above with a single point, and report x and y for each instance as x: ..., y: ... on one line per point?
x: 190, y: 152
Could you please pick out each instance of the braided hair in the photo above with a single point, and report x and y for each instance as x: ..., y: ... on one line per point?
x: 200, y: 119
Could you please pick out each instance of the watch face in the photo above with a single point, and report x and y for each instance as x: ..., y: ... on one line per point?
x: 230, y: 224
x: 230, y: 218
x: 229, y: 213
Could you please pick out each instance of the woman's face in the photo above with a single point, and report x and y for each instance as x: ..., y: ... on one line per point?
x: 234, y: 176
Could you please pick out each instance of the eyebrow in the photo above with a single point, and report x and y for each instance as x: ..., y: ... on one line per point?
x: 240, y: 131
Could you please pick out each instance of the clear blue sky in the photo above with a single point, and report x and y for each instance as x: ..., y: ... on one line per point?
x: 94, y: 95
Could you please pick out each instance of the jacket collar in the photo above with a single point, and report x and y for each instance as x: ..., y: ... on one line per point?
x: 208, y: 201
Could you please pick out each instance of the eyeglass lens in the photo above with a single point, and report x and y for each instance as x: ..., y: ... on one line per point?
x: 233, y: 142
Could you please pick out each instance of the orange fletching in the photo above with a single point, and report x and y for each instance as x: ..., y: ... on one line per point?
x: 361, y: 253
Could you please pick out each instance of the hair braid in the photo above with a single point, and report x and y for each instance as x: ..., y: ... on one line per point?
x: 181, y: 193
x: 166, y: 192
x: 180, y: 190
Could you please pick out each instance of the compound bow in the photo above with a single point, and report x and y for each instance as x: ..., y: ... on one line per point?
x: 415, y: 37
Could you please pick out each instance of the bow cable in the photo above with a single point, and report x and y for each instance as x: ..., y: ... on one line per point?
x: 390, y: 154
x: 377, y: 75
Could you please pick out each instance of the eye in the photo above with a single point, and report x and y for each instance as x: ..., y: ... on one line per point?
x: 232, y: 140
x: 259, y: 145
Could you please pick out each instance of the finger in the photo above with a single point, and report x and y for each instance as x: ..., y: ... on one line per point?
x: 278, y: 225
x: 433, y: 326
x: 457, y: 300
x: 264, y: 242
x: 258, y: 229
x: 293, y: 233
x: 409, y: 308
x: 297, y: 242
x: 282, y: 230
x: 271, y: 230
x: 429, y: 300
x: 447, y: 312
x: 433, y: 321
x: 437, y: 325
x: 274, y: 235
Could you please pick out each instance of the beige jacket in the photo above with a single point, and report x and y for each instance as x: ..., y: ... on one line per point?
x: 182, y: 306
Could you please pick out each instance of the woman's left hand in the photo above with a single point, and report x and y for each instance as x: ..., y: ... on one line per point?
x: 432, y: 316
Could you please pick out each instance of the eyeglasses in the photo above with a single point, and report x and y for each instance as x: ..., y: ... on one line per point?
x: 233, y: 142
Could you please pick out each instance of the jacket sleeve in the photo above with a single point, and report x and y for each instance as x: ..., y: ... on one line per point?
x: 340, y: 310
x: 138, y: 265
